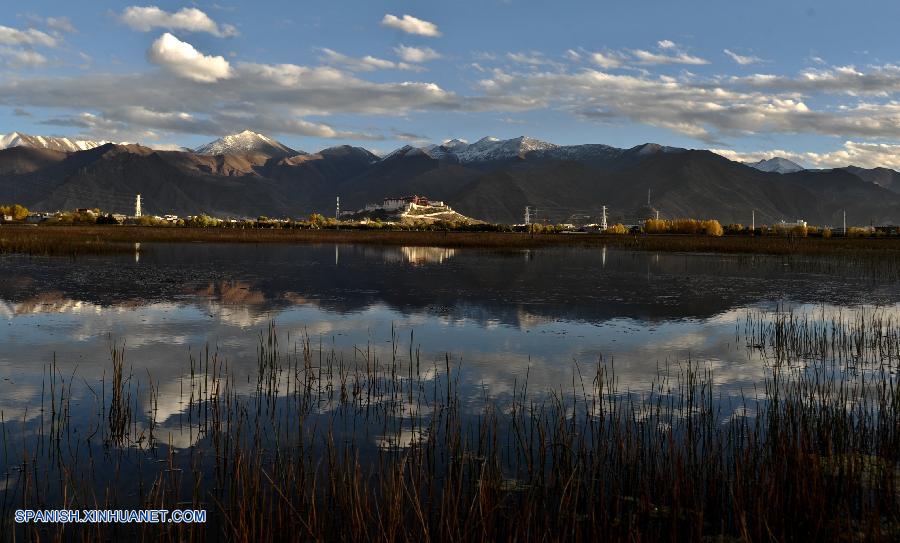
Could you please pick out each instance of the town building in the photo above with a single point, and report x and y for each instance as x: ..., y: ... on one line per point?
x: 798, y: 223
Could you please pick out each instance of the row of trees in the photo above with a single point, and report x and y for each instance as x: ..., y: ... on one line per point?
x: 16, y: 211
x: 684, y: 226
x: 712, y: 227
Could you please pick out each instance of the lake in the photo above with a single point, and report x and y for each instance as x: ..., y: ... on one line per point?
x: 368, y: 336
x: 499, y: 314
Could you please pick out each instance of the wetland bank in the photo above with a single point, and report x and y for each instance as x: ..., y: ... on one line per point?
x: 395, y: 392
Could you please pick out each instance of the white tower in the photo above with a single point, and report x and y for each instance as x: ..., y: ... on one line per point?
x: 753, y: 220
x: 137, y: 206
x: 527, y: 215
x: 845, y: 222
x: 603, y: 224
x: 337, y: 210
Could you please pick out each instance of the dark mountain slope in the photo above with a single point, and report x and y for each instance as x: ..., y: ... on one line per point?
x: 885, y: 177
x: 20, y: 160
x: 558, y: 182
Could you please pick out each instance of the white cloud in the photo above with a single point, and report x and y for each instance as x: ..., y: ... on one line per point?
x: 416, y: 54
x: 646, y: 57
x: 700, y: 108
x: 606, y: 60
x: 62, y: 24
x: 572, y: 55
x: 293, y: 99
x: 411, y: 25
x: 743, y: 60
x: 145, y: 19
x: 30, y: 36
x: 183, y: 60
x: 21, y: 58
x: 666, y: 44
x: 863, y: 154
x: 165, y: 146
x: 532, y: 59
x: 367, y: 63
x: 881, y: 81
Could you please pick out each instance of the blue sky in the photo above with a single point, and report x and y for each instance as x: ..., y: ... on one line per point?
x: 813, y: 81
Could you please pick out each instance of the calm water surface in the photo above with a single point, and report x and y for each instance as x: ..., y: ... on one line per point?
x: 499, y: 315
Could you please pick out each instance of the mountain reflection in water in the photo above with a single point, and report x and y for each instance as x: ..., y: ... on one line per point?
x: 503, y: 314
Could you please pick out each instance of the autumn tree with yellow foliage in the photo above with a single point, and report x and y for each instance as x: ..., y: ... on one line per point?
x: 684, y: 226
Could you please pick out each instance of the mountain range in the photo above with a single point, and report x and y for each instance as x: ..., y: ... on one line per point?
x: 250, y: 174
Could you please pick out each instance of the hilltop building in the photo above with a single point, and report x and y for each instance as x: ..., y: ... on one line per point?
x: 405, y: 204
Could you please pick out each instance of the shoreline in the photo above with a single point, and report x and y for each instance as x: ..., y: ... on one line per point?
x: 73, y: 240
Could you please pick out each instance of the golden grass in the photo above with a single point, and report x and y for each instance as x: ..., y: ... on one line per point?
x: 76, y: 240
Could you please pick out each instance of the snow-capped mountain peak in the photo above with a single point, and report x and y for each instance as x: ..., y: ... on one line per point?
x: 777, y: 165
x: 247, y: 142
x: 17, y: 139
x: 490, y: 148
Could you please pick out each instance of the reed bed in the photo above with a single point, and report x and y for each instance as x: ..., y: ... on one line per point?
x: 317, y: 444
x: 69, y: 240
x: 38, y: 241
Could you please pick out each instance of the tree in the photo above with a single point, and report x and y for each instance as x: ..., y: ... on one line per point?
x: 712, y: 228
x: 656, y: 226
x: 16, y: 211
x: 19, y: 213
x: 617, y: 228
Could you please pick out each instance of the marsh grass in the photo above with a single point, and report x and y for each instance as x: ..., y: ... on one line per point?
x: 318, y: 444
x: 80, y: 240
x: 62, y: 241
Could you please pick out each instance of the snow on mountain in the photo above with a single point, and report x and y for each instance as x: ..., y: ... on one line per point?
x: 247, y: 142
x: 491, y: 149
x: 776, y: 165
x: 17, y: 139
x: 585, y: 151
x: 406, y: 150
x: 484, y: 150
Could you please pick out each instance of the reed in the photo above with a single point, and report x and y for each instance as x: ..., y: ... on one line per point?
x: 318, y: 444
x: 86, y: 240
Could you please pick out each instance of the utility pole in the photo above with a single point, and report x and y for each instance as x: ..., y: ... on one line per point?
x: 137, y: 207
x: 753, y: 221
x: 527, y: 215
x: 603, y: 225
x: 845, y: 222
x: 657, y: 214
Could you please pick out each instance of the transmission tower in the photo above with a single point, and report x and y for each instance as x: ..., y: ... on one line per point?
x: 337, y: 209
x: 603, y: 224
x: 137, y: 207
x: 527, y: 215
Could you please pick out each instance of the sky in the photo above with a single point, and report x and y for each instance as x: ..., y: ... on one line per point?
x: 815, y: 82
